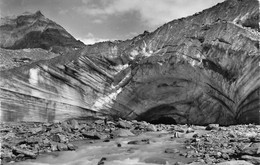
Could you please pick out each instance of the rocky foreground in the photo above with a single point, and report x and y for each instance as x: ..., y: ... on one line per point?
x: 239, y: 144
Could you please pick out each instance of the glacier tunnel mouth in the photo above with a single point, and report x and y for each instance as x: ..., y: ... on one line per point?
x: 162, y: 114
x: 164, y: 120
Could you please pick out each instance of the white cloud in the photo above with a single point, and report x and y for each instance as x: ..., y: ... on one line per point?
x: 153, y: 12
x: 131, y: 34
x: 97, y: 21
x: 63, y: 12
x: 90, y: 39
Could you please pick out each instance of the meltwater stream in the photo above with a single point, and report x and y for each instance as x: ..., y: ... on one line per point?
x: 124, y: 154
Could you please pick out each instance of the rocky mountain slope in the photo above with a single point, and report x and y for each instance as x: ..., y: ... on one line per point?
x: 197, y: 70
x: 16, y: 58
x: 34, y: 30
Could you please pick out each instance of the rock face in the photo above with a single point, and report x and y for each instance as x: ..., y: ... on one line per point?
x: 198, y: 70
x: 33, y: 30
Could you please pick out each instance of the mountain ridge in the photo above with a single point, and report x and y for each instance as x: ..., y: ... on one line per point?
x: 34, y: 30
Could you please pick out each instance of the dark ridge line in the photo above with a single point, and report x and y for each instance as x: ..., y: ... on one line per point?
x: 222, y: 103
x: 220, y: 93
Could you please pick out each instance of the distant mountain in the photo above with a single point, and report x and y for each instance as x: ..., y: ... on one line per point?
x: 198, y: 70
x: 34, y: 30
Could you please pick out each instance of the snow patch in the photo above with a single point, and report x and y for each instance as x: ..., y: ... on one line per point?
x: 27, y: 50
x: 121, y: 67
x: 133, y: 54
x: 243, y: 18
x: 145, y: 53
x: 105, y: 100
x: 160, y: 63
x: 33, y: 76
x: 240, y: 18
x: 195, y: 62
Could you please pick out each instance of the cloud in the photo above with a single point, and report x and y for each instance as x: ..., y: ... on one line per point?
x: 153, y: 12
x: 131, y: 34
x: 63, y: 12
x: 90, y: 39
x: 97, y: 21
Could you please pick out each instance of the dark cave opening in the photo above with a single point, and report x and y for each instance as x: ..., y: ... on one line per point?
x: 163, y: 120
x: 161, y: 114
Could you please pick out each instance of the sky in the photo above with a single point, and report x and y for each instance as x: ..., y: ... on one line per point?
x: 99, y: 20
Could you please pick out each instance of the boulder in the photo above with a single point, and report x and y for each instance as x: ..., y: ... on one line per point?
x: 151, y: 127
x: 71, y: 146
x: 59, y: 138
x: 254, y: 149
x: 212, y: 127
x: 177, y: 135
x: 94, y: 135
x: 62, y: 147
x: 99, y: 122
x: 74, y: 124
x: 189, y: 130
x: 54, y: 147
x: 123, y: 133
x: 35, y: 130
x: 252, y: 159
x: 65, y: 126
x: 55, y: 130
x: 90, y: 135
x: 123, y: 124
